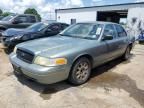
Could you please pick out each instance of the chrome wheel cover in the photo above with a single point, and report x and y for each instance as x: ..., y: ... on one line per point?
x: 82, y: 71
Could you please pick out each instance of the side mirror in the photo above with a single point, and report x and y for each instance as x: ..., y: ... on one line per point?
x: 107, y: 37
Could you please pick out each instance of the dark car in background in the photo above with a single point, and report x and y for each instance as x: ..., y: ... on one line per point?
x: 12, y: 37
x: 17, y: 21
x: 141, y: 37
x: 1, y: 17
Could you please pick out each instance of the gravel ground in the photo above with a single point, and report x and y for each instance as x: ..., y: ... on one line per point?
x: 117, y: 84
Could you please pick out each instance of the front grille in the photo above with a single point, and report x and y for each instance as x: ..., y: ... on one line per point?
x: 25, y: 55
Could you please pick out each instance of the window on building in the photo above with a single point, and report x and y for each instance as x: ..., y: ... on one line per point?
x: 73, y: 21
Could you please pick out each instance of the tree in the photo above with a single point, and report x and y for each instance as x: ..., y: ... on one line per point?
x: 1, y: 11
x: 32, y: 11
x: 6, y: 14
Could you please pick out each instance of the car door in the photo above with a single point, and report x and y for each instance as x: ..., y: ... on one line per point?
x: 112, y: 45
x: 99, y: 50
x: 23, y: 22
x: 121, y: 39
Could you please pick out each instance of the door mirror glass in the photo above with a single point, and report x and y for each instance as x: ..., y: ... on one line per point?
x: 108, y: 35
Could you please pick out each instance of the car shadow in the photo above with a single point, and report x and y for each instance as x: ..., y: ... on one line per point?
x: 47, y: 90
x: 8, y: 50
x: 109, y: 66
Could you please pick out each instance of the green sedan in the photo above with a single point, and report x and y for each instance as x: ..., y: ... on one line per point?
x: 71, y: 54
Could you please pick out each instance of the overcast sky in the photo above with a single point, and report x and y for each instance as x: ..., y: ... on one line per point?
x: 46, y: 7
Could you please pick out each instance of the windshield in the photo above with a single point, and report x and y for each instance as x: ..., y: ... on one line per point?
x: 8, y: 18
x: 84, y: 30
x: 37, y: 27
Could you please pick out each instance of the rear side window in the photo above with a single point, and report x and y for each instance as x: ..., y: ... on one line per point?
x: 55, y: 27
x: 32, y: 19
x: 120, y: 31
x: 22, y: 18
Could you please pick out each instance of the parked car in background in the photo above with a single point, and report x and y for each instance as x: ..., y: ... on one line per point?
x: 12, y: 37
x: 71, y: 54
x: 17, y: 21
x: 130, y: 35
x: 1, y: 17
x: 141, y: 37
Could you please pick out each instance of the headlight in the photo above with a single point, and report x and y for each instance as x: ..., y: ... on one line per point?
x: 43, y: 61
x: 16, y: 37
x: 15, y: 49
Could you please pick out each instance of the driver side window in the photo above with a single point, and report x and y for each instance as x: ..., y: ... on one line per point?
x: 22, y: 19
x: 55, y: 27
x: 109, y: 30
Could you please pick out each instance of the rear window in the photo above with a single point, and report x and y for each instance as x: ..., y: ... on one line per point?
x: 120, y: 31
x: 22, y: 18
x: 32, y: 19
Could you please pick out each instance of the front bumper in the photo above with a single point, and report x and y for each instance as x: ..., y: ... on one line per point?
x: 8, y: 43
x: 44, y: 75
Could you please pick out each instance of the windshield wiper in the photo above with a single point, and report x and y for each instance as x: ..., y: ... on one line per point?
x: 76, y: 36
x: 88, y: 38
x: 66, y: 35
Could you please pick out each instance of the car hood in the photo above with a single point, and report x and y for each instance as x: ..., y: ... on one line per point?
x: 13, y: 32
x: 53, y: 45
x: 4, y: 22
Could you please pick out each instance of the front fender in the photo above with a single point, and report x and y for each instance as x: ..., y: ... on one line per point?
x: 3, y: 27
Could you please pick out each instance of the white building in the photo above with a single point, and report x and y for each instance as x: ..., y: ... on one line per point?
x: 131, y: 13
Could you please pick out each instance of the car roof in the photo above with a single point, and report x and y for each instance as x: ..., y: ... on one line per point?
x: 100, y: 22
x: 53, y: 22
x: 27, y: 14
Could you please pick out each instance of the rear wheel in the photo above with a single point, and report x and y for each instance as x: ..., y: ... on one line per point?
x: 141, y: 42
x: 126, y: 55
x: 80, y: 72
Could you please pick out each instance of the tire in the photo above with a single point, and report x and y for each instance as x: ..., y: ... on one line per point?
x: 126, y: 55
x: 141, y: 42
x: 80, y: 71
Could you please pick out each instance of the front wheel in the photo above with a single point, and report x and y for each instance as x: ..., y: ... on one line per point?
x: 80, y: 72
